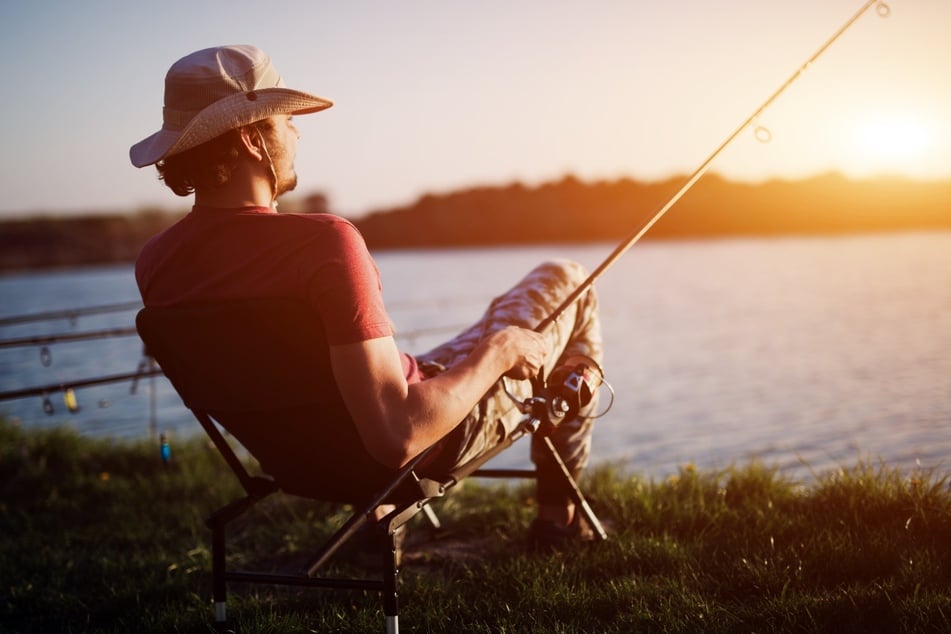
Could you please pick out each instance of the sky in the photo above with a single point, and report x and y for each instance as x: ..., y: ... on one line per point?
x: 432, y: 96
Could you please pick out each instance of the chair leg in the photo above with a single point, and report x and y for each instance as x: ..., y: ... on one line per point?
x: 219, y: 588
x: 390, y: 594
x: 432, y: 517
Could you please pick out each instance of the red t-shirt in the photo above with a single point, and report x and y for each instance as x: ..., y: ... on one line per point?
x: 321, y: 259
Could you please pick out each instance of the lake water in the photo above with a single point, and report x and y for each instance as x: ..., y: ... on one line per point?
x: 807, y: 353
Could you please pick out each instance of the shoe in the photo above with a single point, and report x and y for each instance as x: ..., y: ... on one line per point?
x: 545, y: 535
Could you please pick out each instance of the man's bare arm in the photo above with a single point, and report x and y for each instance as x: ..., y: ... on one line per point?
x: 396, y: 420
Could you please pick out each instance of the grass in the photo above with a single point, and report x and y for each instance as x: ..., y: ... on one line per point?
x: 103, y: 537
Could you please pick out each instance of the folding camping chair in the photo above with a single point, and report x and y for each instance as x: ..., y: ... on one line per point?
x: 249, y: 366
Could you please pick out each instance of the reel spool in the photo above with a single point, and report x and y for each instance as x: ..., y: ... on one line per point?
x: 571, y: 386
x: 569, y: 389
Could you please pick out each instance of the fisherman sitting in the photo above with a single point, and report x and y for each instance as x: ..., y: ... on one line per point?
x: 229, y: 138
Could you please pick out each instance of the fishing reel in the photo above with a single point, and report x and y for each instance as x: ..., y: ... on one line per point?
x: 569, y: 388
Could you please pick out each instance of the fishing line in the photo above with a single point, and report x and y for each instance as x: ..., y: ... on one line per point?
x: 761, y: 133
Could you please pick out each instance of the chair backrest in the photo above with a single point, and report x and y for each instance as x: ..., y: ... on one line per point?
x: 214, y: 354
x: 261, y: 369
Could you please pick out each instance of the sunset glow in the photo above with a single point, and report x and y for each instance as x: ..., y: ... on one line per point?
x: 895, y: 142
x: 438, y: 97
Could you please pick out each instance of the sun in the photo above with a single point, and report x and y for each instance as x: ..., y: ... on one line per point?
x: 894, y: 142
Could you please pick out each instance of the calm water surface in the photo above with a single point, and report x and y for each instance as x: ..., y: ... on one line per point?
x: 807, y: 353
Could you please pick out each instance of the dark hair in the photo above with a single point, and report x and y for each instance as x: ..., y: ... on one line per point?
x: 208, y: 165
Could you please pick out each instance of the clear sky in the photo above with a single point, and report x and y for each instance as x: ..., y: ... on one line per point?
x: 435, y: 95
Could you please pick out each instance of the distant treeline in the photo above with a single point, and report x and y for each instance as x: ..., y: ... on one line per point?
x: 70, y: 241
x: 568, y: 210
x: 572, y: 211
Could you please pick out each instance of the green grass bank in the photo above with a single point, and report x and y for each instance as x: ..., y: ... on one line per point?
x: 97, y: 536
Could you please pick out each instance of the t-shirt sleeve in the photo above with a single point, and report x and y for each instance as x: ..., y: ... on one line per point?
x: 345, y: 289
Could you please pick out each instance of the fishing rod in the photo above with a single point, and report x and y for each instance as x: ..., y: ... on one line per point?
x: 572, y: 386
x: 46, y: 356
x: 110, y: 333
x: 64, y: 386
x: 42, y: 340
x: 71, y: 314
x: 637, y: 234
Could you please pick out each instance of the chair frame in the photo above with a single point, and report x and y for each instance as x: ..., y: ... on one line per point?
x: 427, y: 489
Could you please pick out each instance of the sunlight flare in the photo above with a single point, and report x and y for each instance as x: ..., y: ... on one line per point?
x: 892, y: 142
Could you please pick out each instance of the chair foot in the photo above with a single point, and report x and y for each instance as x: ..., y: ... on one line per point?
x: 392, y: 625
x: 221, y: 617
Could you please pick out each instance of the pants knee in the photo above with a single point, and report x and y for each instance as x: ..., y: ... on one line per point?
x: 562, y: 271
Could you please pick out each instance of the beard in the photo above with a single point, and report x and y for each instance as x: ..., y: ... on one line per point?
x: 285, y: 181
x: 283, y: 174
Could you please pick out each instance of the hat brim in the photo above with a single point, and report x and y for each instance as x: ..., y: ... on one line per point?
x: 225, y: 114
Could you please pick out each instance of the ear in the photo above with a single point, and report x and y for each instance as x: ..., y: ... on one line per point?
x: 251, y: 142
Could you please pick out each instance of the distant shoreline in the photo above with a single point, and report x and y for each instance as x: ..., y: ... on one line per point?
x: 564, y: 211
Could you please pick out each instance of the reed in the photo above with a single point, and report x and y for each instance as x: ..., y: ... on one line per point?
x: 103, y: 536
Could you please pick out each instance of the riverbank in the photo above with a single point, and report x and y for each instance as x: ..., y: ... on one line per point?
x: 104, y: 536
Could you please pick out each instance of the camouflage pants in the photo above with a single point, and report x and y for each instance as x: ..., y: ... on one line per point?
x: 576, y: 332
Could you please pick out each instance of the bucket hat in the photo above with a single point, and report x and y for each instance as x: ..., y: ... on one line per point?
x: 215, y: 90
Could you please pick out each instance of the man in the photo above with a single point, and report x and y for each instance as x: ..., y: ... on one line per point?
x: 228, y: 137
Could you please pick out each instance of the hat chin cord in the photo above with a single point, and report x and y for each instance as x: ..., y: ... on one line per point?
x: 271, y: 171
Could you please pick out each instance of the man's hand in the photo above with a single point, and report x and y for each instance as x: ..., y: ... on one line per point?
x: 526, y: 348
